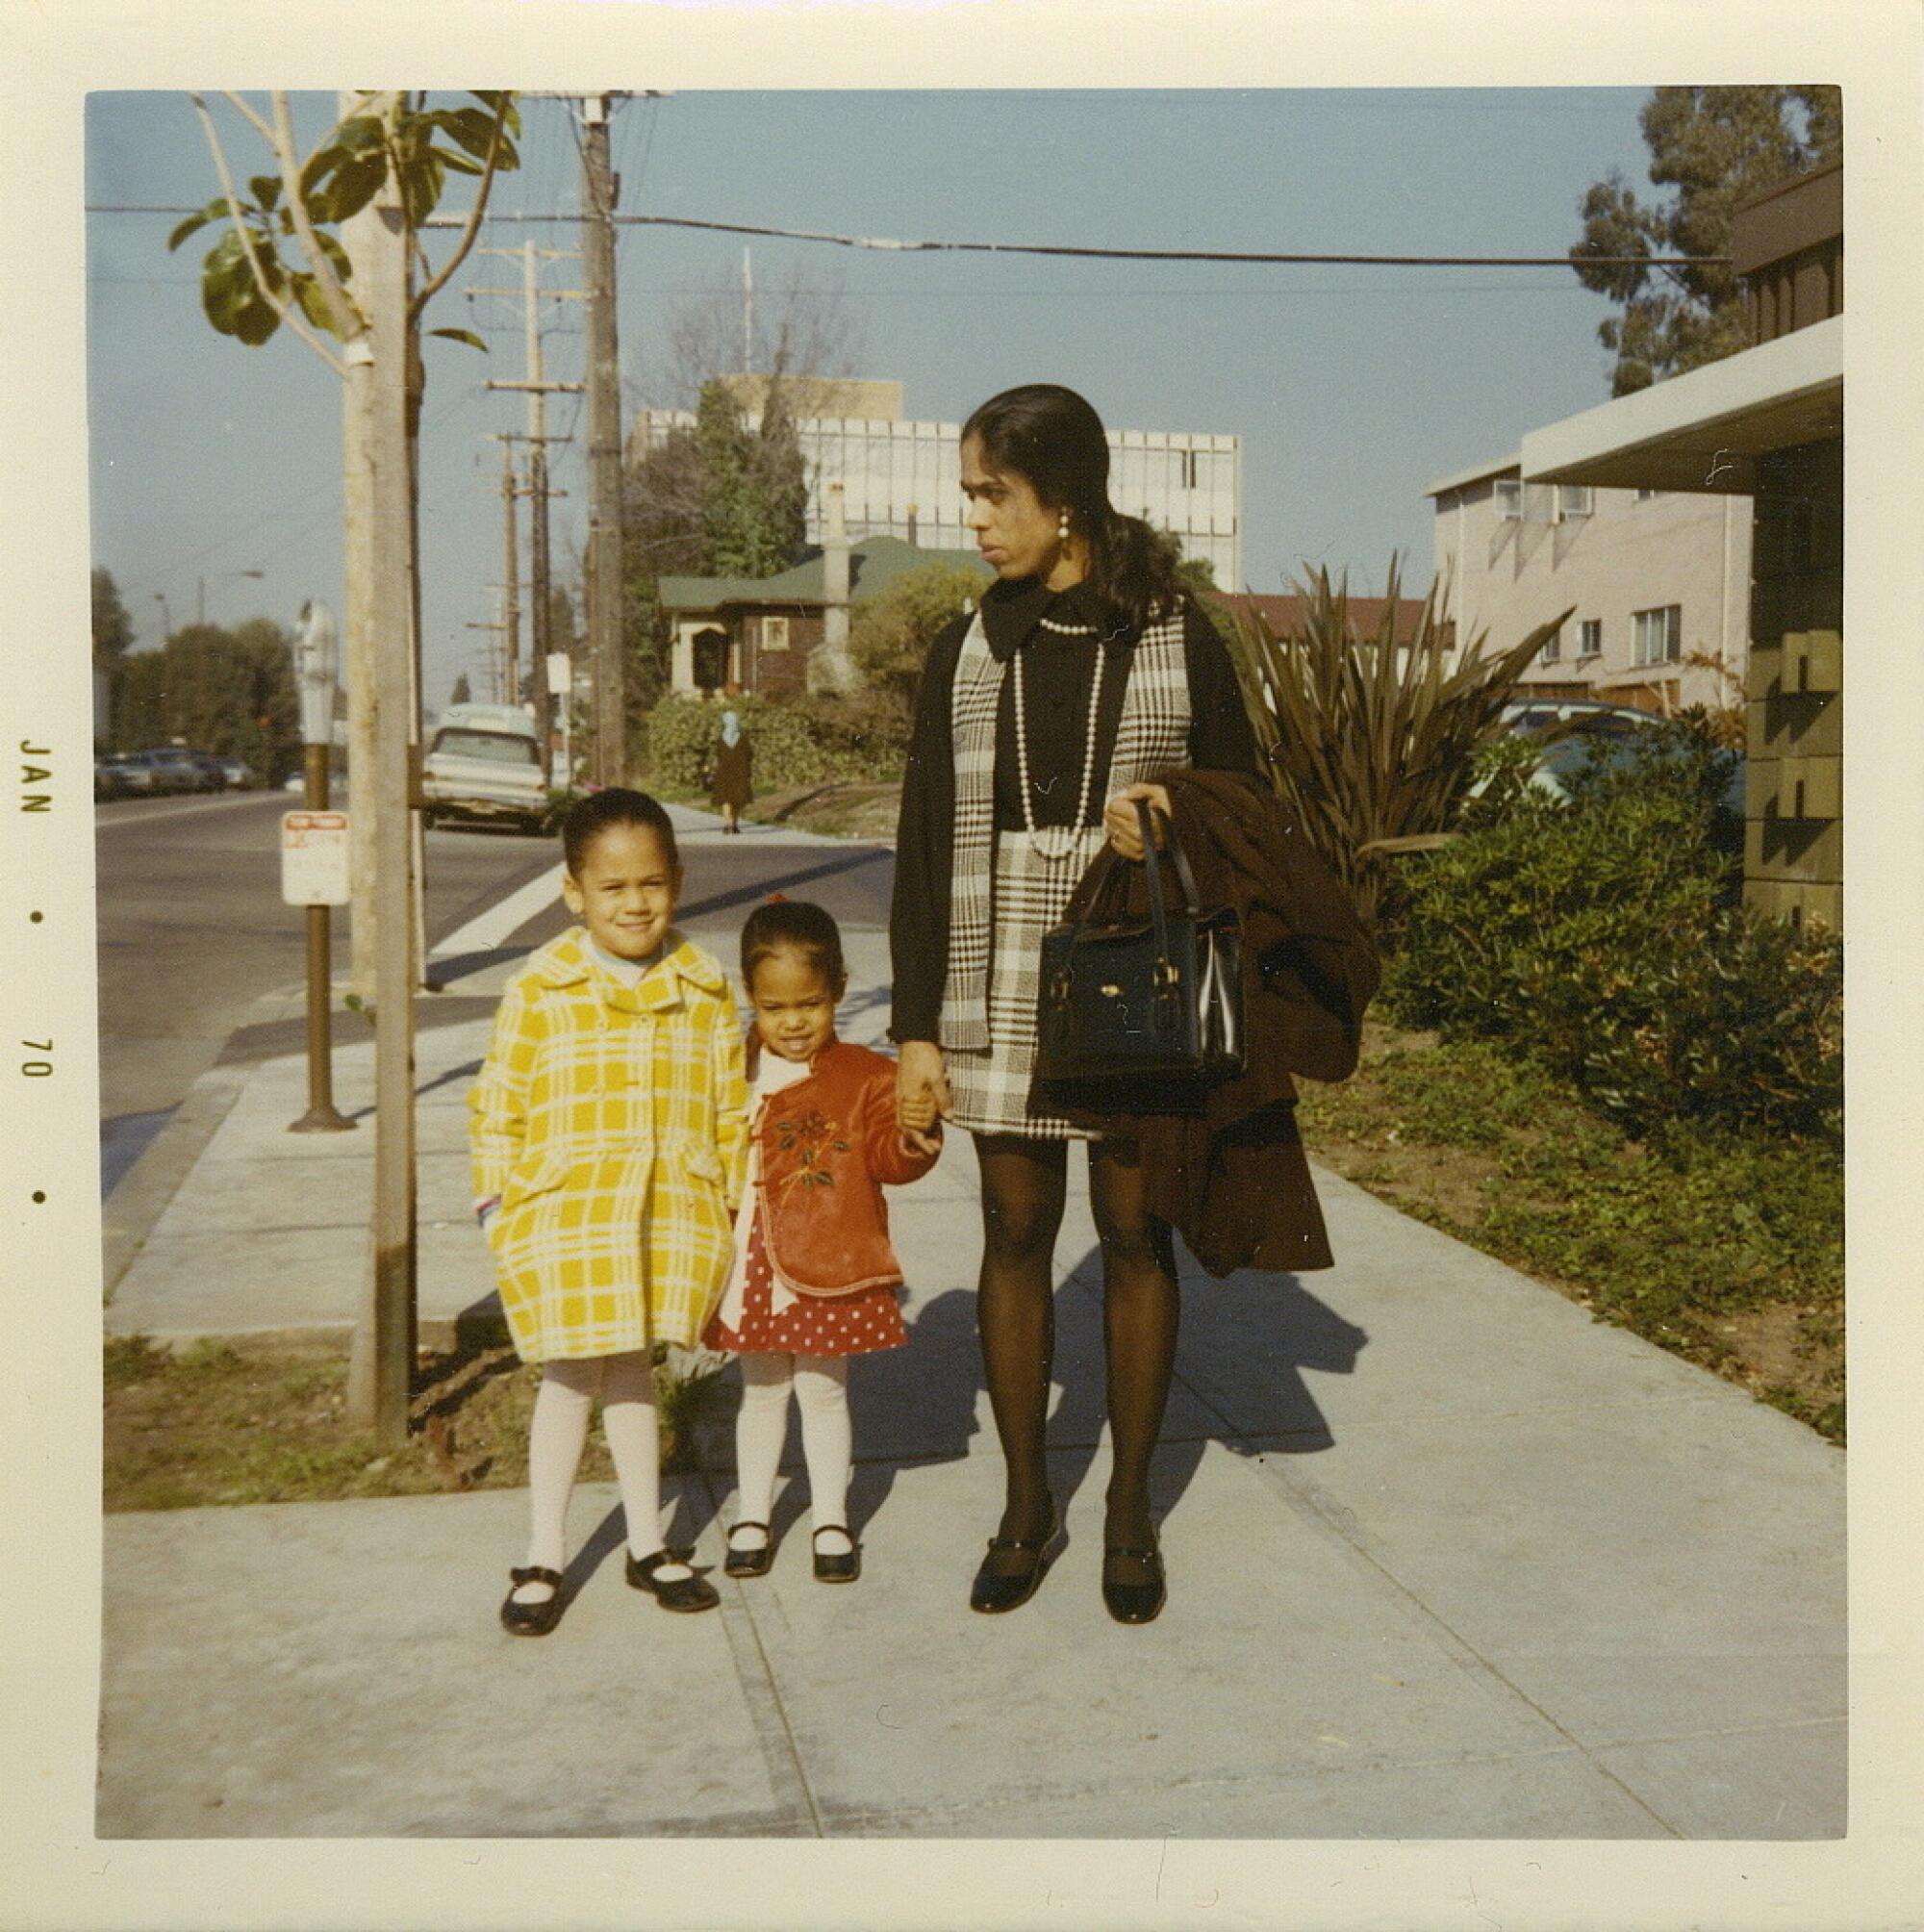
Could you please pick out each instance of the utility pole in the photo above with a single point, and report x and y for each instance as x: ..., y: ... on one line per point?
x: 496, y: 661
x: 602, y: 573
x: 381, y: 1369
x: 511, y: 582
x: 538, y: 389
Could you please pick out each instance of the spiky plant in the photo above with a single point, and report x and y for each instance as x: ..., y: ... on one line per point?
x: 1370, y: 741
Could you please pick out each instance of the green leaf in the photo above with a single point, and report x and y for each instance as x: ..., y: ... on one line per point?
x: 459, y: 163
x: 267, y: 189
x: 218, y: 206
x: 473, y: 129
x: 466, y: 336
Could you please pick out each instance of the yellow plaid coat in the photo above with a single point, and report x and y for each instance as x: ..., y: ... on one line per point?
x: 613, y: 1123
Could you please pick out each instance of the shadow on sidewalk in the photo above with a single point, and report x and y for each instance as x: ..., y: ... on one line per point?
x: 1244, y: 1347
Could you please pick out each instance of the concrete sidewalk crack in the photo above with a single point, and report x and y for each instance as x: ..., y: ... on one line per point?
x: 781, y: 1754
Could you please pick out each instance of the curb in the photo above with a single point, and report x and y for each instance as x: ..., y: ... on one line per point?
x: 146, y: 1190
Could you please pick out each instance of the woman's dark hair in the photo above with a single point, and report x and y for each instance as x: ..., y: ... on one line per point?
x: 587, y: 818
x: 1052, y: 436
x: 792, y: 926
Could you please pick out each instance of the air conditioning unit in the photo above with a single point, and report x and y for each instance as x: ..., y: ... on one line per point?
x: 1574, y: 501
x: 1508, y: 498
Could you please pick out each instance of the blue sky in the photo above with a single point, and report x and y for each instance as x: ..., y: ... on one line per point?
x: 1351, y: 386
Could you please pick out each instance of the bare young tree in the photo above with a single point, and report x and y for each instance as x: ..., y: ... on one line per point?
x: 801, y: 324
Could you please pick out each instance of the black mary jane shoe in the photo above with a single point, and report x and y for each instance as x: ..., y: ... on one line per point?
x: 995, y: 1590
x: 748, y: 1563
x: 684, y: 1593
x: 1134, y: 1602
x: 838, y: 1569
x: 532, y: 1619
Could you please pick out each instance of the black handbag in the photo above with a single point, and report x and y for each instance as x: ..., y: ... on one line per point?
x: 1145, y: 1013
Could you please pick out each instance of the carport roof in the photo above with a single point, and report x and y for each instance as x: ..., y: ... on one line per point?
x: 1703, y: 430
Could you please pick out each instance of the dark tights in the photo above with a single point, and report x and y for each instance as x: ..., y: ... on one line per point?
x: 1023, y: 1186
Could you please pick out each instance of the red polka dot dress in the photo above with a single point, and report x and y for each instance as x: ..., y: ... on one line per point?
x: 857, y: 1324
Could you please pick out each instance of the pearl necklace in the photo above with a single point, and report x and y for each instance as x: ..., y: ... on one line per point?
x: 1066, y: 836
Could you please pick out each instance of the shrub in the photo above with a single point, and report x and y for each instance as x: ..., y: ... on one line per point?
x: 889, y: 635
x: 792, y: 744
x: 1604, y: 938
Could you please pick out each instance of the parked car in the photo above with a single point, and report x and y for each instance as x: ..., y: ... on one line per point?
x: 236, y: 774
x: 162, y: 769
x: 1576, y: 733
x: 114, y: 780
x: 177, y: 769
x: 1580, y: 733
x: 483, y: 764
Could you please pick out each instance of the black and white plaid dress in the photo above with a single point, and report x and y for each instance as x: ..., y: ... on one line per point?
x: 1008, y: 887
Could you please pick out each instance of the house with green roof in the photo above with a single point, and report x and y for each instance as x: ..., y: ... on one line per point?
x: 761, y: 633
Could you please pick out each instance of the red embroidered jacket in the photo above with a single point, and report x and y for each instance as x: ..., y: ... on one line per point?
x: 828, y: 1144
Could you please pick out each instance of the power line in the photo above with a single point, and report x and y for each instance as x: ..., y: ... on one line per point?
x: 1071, y: 253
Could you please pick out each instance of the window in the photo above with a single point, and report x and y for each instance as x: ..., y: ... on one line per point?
x: 1590, y: 637
x: 1508, y: 495
x: 1187, y: 469
x: 1553, y: 647
x: 1574, y: 500
x: 775, y: 633
x: 1659, y: 636
x: 1644, y: 495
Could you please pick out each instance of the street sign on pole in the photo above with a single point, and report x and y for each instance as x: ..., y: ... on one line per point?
x: 560, y: 673
x: 314, y: 858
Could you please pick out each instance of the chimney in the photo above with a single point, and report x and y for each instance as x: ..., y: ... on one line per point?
x: 830, y: 667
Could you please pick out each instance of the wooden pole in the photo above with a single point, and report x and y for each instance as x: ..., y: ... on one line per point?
x: 322, y: 1116
x: 382, y: 1371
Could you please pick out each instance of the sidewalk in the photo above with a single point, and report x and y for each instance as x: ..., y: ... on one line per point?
x: 1446, y: 1559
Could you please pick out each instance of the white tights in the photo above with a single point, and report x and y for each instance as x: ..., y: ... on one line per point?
x: 820, y: 1386
x: 558, y: 1434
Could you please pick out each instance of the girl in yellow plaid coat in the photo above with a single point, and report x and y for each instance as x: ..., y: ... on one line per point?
x: 609, y: 1134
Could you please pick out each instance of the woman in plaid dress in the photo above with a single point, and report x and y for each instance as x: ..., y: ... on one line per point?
x: 1042, y: 717
x: 609, y: 1133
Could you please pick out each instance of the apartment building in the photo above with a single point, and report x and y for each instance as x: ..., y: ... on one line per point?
x: 1657, y: 583
x: 900, y: 476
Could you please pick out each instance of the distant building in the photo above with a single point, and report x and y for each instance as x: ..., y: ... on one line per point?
x: 1657, y: 578
x: 765, y: 634
x: 1283, y: 614
x: 899, y: 478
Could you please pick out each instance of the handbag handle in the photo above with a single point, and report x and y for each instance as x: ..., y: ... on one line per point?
x: 1158, y: 914
x: 1192, y: 900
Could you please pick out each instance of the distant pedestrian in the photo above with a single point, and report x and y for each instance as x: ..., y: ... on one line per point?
x: 731, y: 770
x: 609, y: 1133
x: 814, y: 1279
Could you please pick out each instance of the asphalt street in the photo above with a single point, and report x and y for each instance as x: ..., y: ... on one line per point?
x: 192, y: 933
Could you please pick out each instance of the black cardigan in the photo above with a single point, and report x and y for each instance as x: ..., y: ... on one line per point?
x: 1060, y: 670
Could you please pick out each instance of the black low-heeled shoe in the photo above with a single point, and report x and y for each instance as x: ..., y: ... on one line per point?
x: 1134, y: 1602
x: 994, y: 1592
x: 684, y: 1594
x: 748, y: 1563
x: 842, y: 1567
x: 532, y: 1619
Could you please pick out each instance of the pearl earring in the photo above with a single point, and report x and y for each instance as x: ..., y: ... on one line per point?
x: 1062, y: 527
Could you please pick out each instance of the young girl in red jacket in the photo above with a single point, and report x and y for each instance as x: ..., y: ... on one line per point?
x: 814, y: 1279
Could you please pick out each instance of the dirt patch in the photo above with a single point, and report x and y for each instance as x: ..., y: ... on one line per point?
x: 257, y: 1420
x: 850, y: 808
